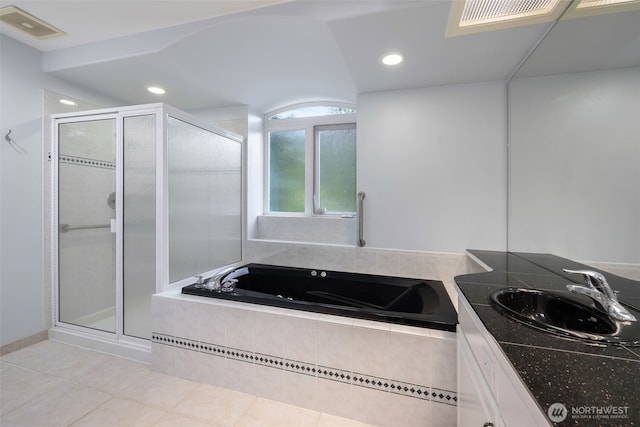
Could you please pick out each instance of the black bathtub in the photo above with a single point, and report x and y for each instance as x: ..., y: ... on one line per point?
x: 414, y: 302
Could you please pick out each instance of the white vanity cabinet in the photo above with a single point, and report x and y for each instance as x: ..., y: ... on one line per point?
x: 476, y: 404
x: 490, y: 393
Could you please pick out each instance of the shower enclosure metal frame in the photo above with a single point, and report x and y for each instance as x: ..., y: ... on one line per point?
x: 119, y: 343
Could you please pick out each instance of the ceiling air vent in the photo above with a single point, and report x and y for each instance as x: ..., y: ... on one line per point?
x: 28, y: 23
x: 472, y: 16
x: 581, y: 8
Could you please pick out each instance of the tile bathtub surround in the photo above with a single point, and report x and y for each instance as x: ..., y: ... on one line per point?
x: 349, y: 258
x: 349, y: 368
x: 50, y: 384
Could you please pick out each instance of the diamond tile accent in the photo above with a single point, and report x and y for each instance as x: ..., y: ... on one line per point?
x: 270, y: 361
x: 334, y: 374
x: 444, y: 396
x: 411, y: 390
x: 300, y: 367
x: 213, y: 349
x: 369, y: 381
x: 187, y: 344
x: 163, y: 339
x: 241, y: 355
x: 84, y: 161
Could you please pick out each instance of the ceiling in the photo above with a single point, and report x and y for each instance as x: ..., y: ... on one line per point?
x: 265, y: 54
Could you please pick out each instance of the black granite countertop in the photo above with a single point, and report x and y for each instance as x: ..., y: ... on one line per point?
x: 589, y: 379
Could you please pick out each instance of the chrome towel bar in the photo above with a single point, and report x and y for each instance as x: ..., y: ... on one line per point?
x: 66, y: 227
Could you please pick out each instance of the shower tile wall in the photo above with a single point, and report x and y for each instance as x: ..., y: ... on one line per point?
x: 381, y: 374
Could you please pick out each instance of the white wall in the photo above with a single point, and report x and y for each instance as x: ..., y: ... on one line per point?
x: 232, y: 118
x: 575, y: 165
x: 21, y: 275
x: 433, y: 165
x: 23, y: 300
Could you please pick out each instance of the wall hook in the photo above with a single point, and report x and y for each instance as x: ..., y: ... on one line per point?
x: 14, y: 144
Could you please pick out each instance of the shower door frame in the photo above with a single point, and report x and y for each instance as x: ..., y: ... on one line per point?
x: 120, y: 344
x: 114, y: 343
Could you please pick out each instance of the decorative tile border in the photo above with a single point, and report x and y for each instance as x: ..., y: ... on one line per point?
x: 412, y: 390
x: 369, y: 381
x: 416, y: 391
x: 84, y: 161
x: 300, y: 367
x: 269, y: 361
x: 443, y: 396
x: 334, y: 374
x: 215, y: 350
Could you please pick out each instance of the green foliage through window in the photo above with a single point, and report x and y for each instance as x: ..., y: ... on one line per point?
x: 286, y: 171
x: 312, y: 160
x: 335, y: 184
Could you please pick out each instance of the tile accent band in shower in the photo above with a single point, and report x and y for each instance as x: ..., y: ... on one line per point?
x: 323, y: 372
x: 84, y: 161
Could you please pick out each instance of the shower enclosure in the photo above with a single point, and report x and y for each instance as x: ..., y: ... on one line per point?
x: 143, y: 197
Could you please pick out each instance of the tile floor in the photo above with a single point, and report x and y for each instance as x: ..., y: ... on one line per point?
x: 53, y: 384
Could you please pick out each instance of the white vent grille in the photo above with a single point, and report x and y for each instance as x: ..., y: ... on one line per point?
x: 28, y: 23
x: 601, y: 3
x: 473, y: 16
x: 477, y: 12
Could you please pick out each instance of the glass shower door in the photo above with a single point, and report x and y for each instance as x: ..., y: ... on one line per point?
x: 86, y: 212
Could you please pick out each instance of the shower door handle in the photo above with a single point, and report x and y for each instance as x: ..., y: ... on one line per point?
x: 113, y: 225
x: 361, y: 196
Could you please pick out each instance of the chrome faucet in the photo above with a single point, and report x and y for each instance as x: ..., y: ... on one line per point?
x: 222, y: 281
x: 225, y: 279
x: 228, y: 284
x: 598, y: 289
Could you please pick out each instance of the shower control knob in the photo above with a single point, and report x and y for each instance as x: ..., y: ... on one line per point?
x: 314, y: 273
x: 323, y: 274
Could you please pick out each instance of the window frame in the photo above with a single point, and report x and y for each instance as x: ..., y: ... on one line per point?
x: 307, y: 124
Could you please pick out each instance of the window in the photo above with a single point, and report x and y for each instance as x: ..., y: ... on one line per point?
x: 286, y: 171
x: 335, y: 169
x: 311, y: 160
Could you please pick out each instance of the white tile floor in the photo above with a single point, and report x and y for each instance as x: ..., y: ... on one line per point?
x: 53, y: 384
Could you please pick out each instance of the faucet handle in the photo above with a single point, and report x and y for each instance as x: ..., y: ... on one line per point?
x: 199, y: 281
x: 595, y: 280
x: 228, y: 285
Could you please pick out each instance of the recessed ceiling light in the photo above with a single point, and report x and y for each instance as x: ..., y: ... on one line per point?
x: 67, y: 102
x: 157, y: 90
x: 392, y: 59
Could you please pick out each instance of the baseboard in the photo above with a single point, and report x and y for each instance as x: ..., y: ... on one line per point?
x: 23, y: 342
